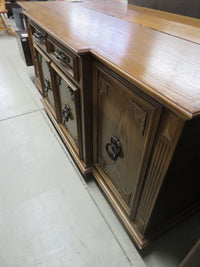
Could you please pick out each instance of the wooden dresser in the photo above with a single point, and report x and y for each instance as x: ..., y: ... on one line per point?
x: 121, y: 84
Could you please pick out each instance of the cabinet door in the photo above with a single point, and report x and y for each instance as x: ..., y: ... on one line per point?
x: 69, y: 109
x: 38, y: 73
x: 125, y: 125
x: 46, y: 80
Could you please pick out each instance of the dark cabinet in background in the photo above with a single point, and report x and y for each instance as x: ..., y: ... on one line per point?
x: 182, y: 7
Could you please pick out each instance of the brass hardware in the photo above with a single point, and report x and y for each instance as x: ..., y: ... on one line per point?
x: 59, y: 55
x: 46, y: 86
x: 113, y: 148
x: 66, y: 113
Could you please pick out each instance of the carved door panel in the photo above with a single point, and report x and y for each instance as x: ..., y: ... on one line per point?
x: 69, y: 107
x: 126, y: 125
x: 46, y: 80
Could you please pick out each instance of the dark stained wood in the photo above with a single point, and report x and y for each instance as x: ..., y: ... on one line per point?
x: 86, y: 79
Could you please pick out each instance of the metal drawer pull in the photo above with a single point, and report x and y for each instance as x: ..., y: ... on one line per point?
x: 46, y: 86
x: 66, y: 113
x: 38, y: 35
x: 113, y: 148
x: 59, y: 55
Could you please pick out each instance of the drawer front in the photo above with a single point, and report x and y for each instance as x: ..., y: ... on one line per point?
x: 69, y: 108
x: 39, y: 36
x: 64, y: 58
x: 125, y: 129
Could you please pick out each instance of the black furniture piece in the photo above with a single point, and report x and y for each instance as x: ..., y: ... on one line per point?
x: 24, y: 48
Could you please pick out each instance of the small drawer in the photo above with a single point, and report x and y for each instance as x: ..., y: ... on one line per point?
x: 39, y: 36
x: 69, y: 110
x: 64, y: 58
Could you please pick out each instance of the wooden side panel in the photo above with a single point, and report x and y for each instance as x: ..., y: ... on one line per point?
x: 180, y: 191
x: 169, y: 133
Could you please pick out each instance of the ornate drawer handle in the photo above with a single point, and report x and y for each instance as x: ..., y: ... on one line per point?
x: 113, y: 148
x: 59, y: 55
x: 38, y: 35
x: 66, y: 113
x: 46, y: 85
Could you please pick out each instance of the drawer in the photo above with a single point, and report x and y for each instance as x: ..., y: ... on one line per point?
x: 64, y: 58
x: 125, y: 126
x: 69, y: 109
x: 39, y: 36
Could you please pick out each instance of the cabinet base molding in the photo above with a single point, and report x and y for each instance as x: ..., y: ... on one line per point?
x: 139, y: 239
x: 83, y: 168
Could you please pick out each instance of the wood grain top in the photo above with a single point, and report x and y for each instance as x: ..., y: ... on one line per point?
x: 164, y: 66
x: 173, y: 24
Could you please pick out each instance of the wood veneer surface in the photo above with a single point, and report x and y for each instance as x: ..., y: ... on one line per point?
x: 181, y: 26
x: 164, y: 66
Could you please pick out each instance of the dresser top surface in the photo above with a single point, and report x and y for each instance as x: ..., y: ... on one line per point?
x: 157, y: 51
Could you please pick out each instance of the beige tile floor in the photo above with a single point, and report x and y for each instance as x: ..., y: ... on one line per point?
x: 49, y: 216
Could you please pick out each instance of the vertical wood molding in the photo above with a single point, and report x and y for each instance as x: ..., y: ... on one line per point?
x: 161, y: 158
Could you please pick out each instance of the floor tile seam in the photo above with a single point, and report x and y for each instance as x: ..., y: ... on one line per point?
x: 21, y: 115
x: 29, y: 93
x: 110, y: 228
x: 63, y: 147
x: 86, y: 187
